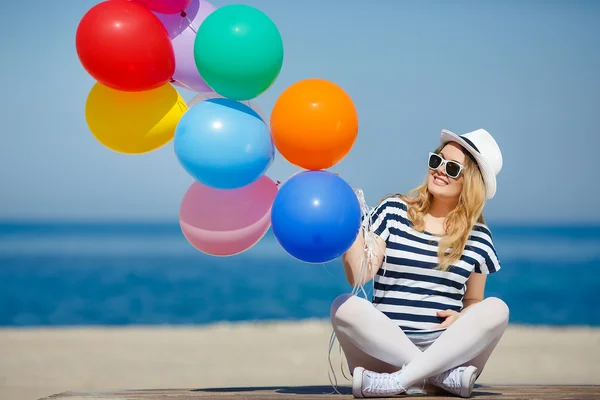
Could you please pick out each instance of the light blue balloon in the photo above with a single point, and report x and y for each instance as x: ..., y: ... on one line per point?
x: 223, y: 144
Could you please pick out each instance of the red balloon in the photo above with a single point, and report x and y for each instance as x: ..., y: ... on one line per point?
x: 166, y: 6
x: 123, y: 45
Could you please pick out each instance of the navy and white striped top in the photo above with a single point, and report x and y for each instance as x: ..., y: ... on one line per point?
x: 408, y: 288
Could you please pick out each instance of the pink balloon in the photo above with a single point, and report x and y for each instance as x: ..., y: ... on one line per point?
x: 165, y: 6
x: 227, y: 222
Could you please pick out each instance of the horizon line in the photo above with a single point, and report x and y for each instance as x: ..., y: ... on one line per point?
x: 175, y: 222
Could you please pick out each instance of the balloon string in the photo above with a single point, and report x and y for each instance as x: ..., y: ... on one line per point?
x: 182, y: 84
x: 183, y: 15
x: 366, y: 264
x: 191, y: 23
x: 182, y: 106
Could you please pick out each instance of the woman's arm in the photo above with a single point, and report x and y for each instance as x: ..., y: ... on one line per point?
x: 352, y: 260
x: 475, y: 290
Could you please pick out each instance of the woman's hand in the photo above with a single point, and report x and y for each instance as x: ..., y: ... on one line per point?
x: 352, y: 260
x: 450, y: 316
x: 473, y: 295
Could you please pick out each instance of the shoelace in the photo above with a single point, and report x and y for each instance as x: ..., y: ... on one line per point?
x: 450, y: 378
x: 382, y: 383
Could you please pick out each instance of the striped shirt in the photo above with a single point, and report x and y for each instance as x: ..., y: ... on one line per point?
x: 408, y: 288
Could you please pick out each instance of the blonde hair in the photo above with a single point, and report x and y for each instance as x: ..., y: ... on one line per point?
x: 460, y: 221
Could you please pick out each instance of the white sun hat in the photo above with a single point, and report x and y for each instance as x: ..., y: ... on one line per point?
x: 486, y: 152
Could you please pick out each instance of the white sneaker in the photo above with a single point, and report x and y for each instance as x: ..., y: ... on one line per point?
x: 367, y: 383
x: 458, y: 381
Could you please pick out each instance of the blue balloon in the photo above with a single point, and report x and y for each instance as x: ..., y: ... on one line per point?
x: 316, y: 216
x: 223, y: 144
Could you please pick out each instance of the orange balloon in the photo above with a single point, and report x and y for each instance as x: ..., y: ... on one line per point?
x: 314, y: 124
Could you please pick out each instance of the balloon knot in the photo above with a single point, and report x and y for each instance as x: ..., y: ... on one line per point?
x: 172, y: 80
x: 278, y: 183
x: 183, y: 14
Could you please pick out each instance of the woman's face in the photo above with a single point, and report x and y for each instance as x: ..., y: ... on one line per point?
x: 439, y: 184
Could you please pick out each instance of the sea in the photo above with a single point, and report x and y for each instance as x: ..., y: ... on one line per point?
x: 99, y: 274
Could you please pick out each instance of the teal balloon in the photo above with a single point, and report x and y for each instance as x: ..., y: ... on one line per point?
x: 238, y: 51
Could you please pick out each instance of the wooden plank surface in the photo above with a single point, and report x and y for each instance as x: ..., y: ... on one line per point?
x: 325, y: 393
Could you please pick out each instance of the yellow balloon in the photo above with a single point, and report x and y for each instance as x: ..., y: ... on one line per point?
x: 133, y: 122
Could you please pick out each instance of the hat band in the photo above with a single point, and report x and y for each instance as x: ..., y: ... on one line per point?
x: 470, y: 143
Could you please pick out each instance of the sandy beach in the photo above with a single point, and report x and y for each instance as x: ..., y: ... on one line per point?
x: 38, y: 362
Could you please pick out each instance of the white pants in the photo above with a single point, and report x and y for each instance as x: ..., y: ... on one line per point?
x: 373, y: 341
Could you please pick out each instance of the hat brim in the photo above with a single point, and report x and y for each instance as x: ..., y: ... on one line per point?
x: 489, y: 178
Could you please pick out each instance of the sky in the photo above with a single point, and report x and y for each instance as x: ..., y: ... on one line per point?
x: 527, y: 71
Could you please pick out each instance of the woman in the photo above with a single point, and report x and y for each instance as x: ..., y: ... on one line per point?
x: 428, y: 324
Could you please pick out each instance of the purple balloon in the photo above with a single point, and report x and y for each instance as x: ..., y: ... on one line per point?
x: 183, y: 34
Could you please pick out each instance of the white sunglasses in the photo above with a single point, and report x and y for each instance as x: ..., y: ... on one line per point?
x: 453, y: 168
